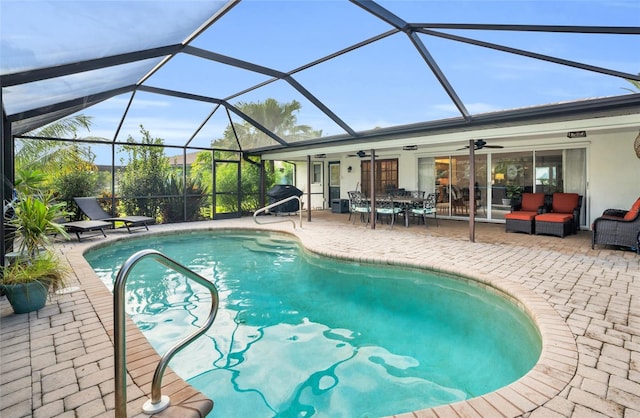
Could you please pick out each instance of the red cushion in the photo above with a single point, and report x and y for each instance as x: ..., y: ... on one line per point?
x: 633, y: 212
x: 555, y: 217
x: 564, y: 202
x: 532, y: 201
x: 521, y: 215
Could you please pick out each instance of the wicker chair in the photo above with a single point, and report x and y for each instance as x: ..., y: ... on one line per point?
x: 564, y: 217
x: 523, y: 214
x: 618, y: 227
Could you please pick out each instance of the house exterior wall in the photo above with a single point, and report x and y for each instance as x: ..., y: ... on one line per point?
x: 319, y: 191
x: 612, y: 168
x: 613, y: 172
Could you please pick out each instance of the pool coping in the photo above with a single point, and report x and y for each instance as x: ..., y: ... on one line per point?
x: 553, y: 371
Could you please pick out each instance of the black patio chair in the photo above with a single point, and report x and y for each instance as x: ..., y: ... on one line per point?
x: 92, y: 210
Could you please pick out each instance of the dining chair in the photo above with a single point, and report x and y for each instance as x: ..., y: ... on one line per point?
x: 358, y: 204
x: 426, y: 207
x: 386, y: 207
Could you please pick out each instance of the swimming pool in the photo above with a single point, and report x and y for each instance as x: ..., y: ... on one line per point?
x: 348, y: 340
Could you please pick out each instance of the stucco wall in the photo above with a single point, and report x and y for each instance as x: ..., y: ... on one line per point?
x: 613, y: 171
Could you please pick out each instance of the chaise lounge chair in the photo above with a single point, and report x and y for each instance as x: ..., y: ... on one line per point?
x: 92, y: 210
x: 80, y: 227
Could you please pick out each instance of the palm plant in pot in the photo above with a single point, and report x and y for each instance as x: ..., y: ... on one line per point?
x: 34, y: 270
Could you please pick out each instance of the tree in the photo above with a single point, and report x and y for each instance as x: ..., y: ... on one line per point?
x: 202, y: 172
x: 227, y: 181
x: 142, y: 180
x: 275, y: 117
x: 67, y: 168
x: 50, y: 155
x: 250, y: 185
x: 150, y: 186
x: 284, y: 174
x: 72, y: 184
x: 279, y: 118
x: 636, y: 84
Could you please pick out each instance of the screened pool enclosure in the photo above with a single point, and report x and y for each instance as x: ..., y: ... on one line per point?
x: 197, y: 108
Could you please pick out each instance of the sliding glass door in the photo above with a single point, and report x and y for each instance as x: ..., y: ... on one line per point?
x: 451, y: 175
x: 498, y: 176
x: 512, y: 174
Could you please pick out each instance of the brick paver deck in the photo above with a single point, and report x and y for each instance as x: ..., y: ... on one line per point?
x: 58, y: 362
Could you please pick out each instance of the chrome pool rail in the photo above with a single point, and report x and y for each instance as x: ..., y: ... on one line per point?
x: 266, y: 208
x: 158, y: 402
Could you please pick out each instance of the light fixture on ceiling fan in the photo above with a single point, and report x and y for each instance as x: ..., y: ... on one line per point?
x: 360, y: 154
x: 480, y: 144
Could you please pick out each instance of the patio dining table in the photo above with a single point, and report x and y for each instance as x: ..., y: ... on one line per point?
x: 405, y: 203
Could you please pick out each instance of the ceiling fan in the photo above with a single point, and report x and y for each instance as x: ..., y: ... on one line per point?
x: 479, y: 144
x: 360, y: 154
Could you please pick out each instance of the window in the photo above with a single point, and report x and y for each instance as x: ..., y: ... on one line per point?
x: 316, y: 175
x: 548, y: 176
x: 334, y: 175
x: 386, y: 175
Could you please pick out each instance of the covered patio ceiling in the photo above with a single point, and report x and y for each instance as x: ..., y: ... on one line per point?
x: 361, y: 71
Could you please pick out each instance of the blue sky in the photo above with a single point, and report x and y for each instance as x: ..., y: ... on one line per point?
x: 383, y: 84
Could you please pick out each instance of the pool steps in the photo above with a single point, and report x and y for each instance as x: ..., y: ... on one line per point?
x: 268, y: 245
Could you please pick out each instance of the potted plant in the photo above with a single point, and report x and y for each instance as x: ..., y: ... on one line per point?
x: 26, y: 284
x: 514, y: 192
x: 33, y: 270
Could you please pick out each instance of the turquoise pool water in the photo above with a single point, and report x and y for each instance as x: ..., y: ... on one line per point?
x: 299, y: 335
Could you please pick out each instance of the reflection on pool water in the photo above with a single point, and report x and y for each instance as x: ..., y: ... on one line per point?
x: 300, y: 335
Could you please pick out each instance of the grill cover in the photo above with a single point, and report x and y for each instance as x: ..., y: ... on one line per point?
x: 282, y: 191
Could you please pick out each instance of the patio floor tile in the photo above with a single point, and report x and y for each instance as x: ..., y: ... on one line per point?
x: 58, y: 362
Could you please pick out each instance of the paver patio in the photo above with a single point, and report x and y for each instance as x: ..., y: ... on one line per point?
x: 58, y: 362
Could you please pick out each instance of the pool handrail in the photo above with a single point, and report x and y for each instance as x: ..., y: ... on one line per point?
x: 266, y: 208
x: 158, y: 402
